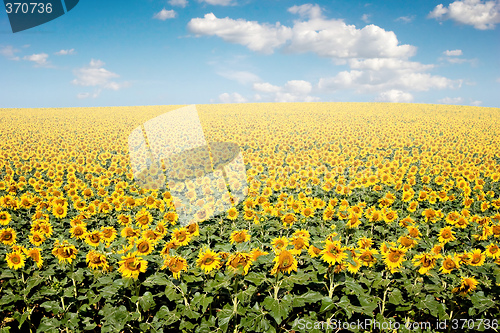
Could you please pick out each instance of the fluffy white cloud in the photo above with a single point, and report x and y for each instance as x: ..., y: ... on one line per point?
x: 327, y: 38
x: 266, y: 87
x: 165, y: 14
x: 452, y: 53
x: 381, y: 75
x: 65, y: 52
x: 232, y: 98
x: 94, y: 75
x: 257, y: 37
x: 292, y: 91
x: 394, y: 96
x: 476, y: 103
x: 178, y: 3
x: 39, y: 59
x: 9, y: 52
x: 241, y: 77
x: 307, y: 11
x: 480, y: 14
x: 451, y: 100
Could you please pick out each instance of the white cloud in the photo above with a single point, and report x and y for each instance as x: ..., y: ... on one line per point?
x: 381, y: 75
x: 257, y: 37
x: 218, y: 2
x: 327, y: 38
x: 405, y: 19
x: 232, y: 98
x: 451, y: 100
x: 65, y: 52
x: 452, y: 53
x: 480, y: 14
x: 307, y: 11
x: 165, y: 14
x: 9, y: 52
x: 39, y: 59
x: 476, y: 103
x: 94, y: 75
x: 498, y: 80
x: 366, y: 18
x: 395, y: 96
x: 241, y: 77
x: 178, y: 3
x: 291, y: 91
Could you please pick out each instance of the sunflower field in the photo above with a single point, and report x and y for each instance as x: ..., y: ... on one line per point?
x: 354, y: 212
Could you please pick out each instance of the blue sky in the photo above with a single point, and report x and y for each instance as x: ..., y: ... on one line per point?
x: 152, y: 52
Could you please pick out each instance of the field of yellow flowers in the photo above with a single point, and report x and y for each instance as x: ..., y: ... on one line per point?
x: 354, y: 212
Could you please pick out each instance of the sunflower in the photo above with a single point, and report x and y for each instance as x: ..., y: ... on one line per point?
x: 279, y: 243
x: 492, y: 251
x: 132, y: 265
x: 389, y: 216
x: 165, y: 252
x: 313, y: 251
x: 446, y: 235
x: 181, y: 236
x: 365, y: 243
x: 240, y: 236
x: 302, y: 233
x: 354, y: 268
x: 15, y: 260
x: 124, y: 219
x: 208, y: 260
x: 96, y: 260
x: 78, y: 231
x: 240, y: 262
x: 8, y: 236
x: 175, y: 265
x: 299, y: 243
x: 288, y: 219
x: 64, y: 252
x: 367, y: 256
x: 426, y: 261
x: 449, y: 263
x: 193, y: 229
x: 37, y: 238
x: 256, y: 253
x: 407, y: 242
x: 5, y: 218
x: 130, y: 232
x: 307, y: 212
x: 143, y: 218
x: 108, y: 234
x: 93, y: 238
x: 476, y: 258
x: 285, y: 262
x: 35, y: 255
x: 60, y: 211
x: 144, y: 247
x: 466, y: 286
x: 394, y: 258
x: 333, y: 252
x: 232, y: 213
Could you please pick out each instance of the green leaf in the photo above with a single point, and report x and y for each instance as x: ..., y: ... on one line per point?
x: 146, y: 302
x: 52, y: 307
x: 327, y: 304
x: 158, y: 279
x: 278, y: 309
x: 480, y: 302
x: 48, y: 325
x: 172, y: 293
x: 395, y: 297
x: 223, y: 317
